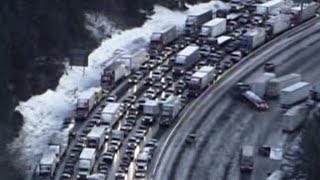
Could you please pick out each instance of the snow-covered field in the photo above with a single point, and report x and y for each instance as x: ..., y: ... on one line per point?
x: 43, y: 114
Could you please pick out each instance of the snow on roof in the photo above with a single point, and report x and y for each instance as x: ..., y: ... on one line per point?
x: 255, y: 31
x: 276, y: 153
x: 188, y: 50
x: 48, y: 157
x: 285, y: 78
x: 295, y: 86
x: 111, y: 108
x: 206, y: 69
x: 199, y: 74
x: 214, y: 22
x: 222, y: 39
x: 271, y: 3
x: 96, y: 131
x: 88, y: 93
x: 247, y: 150
x: 88, y: 153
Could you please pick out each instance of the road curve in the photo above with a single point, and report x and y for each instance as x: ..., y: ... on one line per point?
x: 200, y: 107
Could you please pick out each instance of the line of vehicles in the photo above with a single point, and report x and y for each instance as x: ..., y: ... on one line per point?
x: 165, y: 77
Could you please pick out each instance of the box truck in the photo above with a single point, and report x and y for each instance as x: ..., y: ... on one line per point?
x: 185, y: 59
x: 252, y: 39
x: 170, y: 108
x: 133, y: 61
x: 48, y: 164
x: 195, y: 21
x: 278, y: 24
x: 86, y: 162
x: 85, y: 103
x: 200, y: 80
x: 96, y: 137
x: 112, y: 75
x: 294, y: 94
x: 259, y: 85
x: 160, y: 39
x: 293, y: 118
x: 110, y: 114
x: 269, y: 7
x: 213, y: 28
x: 275, y: 85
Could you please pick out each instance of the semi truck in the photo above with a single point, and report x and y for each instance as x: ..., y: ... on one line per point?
x: 213, y: 28
x: 110, y: 114
x: 200, y: 80
x: 195, y: 21
x: 293, y: 118
x: 48, y: 164
x: 246, y: 159
x: 294, y: 94
x: 112, y: 75
x: 86, y: 102
x: 275, y: 85
x: 96, y: 137
x: 160, y: 39
x: 59, y: 143
x: 278, y: 24
x: 170, y: 108
x: 269, y: 7
x: 185, y: 59
x: 133, y: 61
x: 86, y: 162
x: 244, y: 90
x: 259, y: 85
x: 252, y: 39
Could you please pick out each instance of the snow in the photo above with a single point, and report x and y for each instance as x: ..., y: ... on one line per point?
x: 43, y: 114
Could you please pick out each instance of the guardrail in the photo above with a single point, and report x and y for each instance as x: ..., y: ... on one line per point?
x: 205, y: 107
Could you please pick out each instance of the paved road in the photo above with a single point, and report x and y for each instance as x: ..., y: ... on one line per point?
x: 174, y: 164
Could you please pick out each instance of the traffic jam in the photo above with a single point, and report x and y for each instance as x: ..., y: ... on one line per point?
x: 114, y: 132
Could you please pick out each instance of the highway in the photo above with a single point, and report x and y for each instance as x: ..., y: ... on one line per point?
x: 220, y: 123
x: 215, y: 154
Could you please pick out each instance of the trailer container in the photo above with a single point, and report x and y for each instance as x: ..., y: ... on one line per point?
x: 151, y: 108
x: 48, y: 164
x: 160, y: 39
x: 186, y: 59
x: 170, y: 109
x: 112, y: 75
x: 214, y: 28
x: 133, y: 61
x: 277, y: 24
x: 200, y: 80
x: 195, y: 21
x: 110, y: 114
x: 246, y: 158
x: 96, y: 137
x: 85, y: 103
x: 275, y: 85
x: 294, y: 93
x: 260, y: 83
x: 86, y: 162
x: 293, y: 118
x: 252, y: 39
x: 309, y: 10
x: 269, y: 7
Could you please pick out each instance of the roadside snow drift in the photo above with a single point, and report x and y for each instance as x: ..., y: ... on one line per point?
x: 43, y: 114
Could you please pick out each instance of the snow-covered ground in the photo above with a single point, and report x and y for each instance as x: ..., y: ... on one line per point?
x: 43, y: 114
